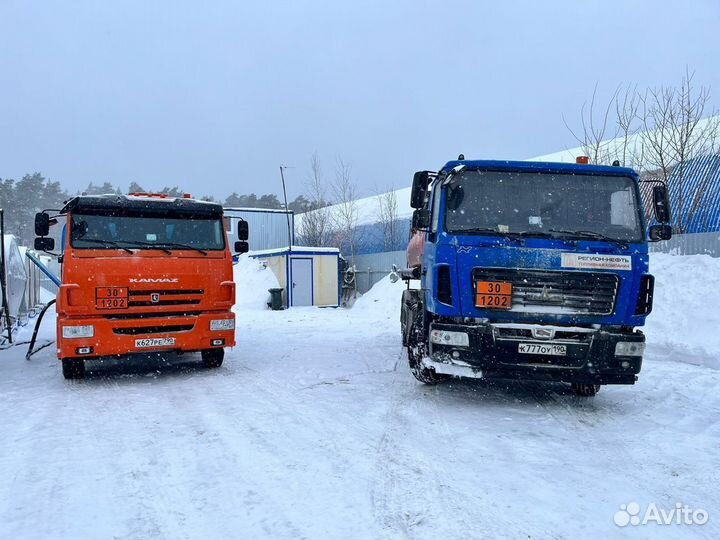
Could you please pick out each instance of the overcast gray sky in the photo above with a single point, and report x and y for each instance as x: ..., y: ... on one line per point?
x: 213, y: 96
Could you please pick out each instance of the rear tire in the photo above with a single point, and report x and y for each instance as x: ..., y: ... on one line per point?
x: 585, y: 390
x: 417, y: 350
x: 213, y: 358
x: 73, y: 368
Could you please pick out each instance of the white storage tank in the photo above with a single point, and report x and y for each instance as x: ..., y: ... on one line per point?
x: 309, y: 276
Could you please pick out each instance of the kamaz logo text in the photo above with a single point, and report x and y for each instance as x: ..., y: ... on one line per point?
x: 154, y: 280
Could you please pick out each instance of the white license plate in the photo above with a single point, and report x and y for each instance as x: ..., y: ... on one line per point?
x: 154, y: 342
x: 538, y: 348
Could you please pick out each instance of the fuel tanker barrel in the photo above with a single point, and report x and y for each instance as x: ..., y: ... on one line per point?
x: 415, y: 249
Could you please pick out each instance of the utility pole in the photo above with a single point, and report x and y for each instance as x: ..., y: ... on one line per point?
x: 287, y: 210
x: 3, y: 277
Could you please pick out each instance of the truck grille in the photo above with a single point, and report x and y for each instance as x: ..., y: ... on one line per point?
x: 548, y: 291
x: 169, y: 297
x: 139, y: 330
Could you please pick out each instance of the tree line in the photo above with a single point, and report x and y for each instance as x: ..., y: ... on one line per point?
x: 22, y: 199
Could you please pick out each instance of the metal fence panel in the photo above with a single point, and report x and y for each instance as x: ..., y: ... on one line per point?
x: 690, y: 244
x: 372, y: 267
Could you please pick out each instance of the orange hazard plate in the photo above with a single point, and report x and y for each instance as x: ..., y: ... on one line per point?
x: 111, y: 298
x: 493, y: 294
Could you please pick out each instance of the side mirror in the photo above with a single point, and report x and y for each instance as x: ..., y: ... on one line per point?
x: 660, y: 232
x: 421, y: 179
x: 243, y: 231
x: 42, y: 224
x: 661, y: 203
x: 421, y: 219
x: 241, y: 247
x: 44, y: 243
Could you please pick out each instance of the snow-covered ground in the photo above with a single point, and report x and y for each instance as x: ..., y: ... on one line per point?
x: 314, y: 428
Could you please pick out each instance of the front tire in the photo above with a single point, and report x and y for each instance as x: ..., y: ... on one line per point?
x: 417, y: 350
x: 213, y: 358
x: 585, y: 390
x: 73, y: 368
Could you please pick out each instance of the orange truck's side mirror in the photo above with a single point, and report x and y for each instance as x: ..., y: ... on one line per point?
x: 243, y: 231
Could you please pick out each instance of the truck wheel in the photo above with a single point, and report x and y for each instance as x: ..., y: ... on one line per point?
x: 417, y: 350
x: 73, y: 368
x: 213, y: 358
x: 585, y: 390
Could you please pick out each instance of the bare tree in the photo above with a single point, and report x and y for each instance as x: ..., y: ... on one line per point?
x: 388, y: 219
x: 657, y: 104
x: 346, y: 211
x: 657, y: 132
x: 315, y: 225
x: 676, y: 132
x: 595, y: 132
x: 628, y: 125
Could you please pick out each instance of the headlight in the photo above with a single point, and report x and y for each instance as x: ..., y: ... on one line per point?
x: 629, y: 348
x: 455, y: 339
x: 78, y: 331
x: 222, y: 324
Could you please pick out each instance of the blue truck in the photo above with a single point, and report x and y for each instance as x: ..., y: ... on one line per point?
x: 530, y: 271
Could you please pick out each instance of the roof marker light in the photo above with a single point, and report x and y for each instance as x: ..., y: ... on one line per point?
x: 582, y: 160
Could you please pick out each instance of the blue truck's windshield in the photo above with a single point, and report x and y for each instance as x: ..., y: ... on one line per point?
x: 565, y: 205
x: 137, y: 232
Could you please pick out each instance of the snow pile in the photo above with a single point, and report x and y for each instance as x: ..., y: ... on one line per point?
x: 685, y: 317
x: 252, y: 281
x: 383, y: 298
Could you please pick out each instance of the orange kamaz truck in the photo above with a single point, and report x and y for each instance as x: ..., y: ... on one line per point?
x: 142, y: 273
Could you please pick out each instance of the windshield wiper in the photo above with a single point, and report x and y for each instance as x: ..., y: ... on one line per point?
x: 178, y: 245
x: 150, y: 244
x: 479, y: 230
x: 105, y: 243
x: 531, y: 233
x: 589, y: 234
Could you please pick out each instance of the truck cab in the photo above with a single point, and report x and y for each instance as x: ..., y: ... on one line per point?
x: 142, y: 273
x: 529, y: 271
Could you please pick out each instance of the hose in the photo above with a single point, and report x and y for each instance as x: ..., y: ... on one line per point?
x: 30, y: 351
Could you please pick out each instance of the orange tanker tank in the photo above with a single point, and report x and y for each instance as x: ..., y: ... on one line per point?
x: 415, y: 249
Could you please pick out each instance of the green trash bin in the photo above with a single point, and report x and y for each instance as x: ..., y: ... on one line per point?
x: 276, y: 302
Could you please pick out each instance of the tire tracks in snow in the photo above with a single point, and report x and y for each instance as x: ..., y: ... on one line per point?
x: 412, y: 493
x: 581, y: 420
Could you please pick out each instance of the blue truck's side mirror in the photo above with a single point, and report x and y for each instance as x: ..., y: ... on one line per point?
x: 661, y: 203
x: 660, y: 232
x: 421, y: 219
x: 418, y: 194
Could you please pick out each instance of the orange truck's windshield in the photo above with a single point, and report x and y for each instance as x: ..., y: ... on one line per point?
x: 93, y: 231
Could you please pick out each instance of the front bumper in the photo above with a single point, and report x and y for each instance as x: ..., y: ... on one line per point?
x: 118, y: 336
x: 493, y: 352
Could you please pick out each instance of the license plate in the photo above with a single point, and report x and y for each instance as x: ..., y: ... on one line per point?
x: 493, y: 294
x: 154, y: 342
x: 111, y: 297
x: 539, y: 348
